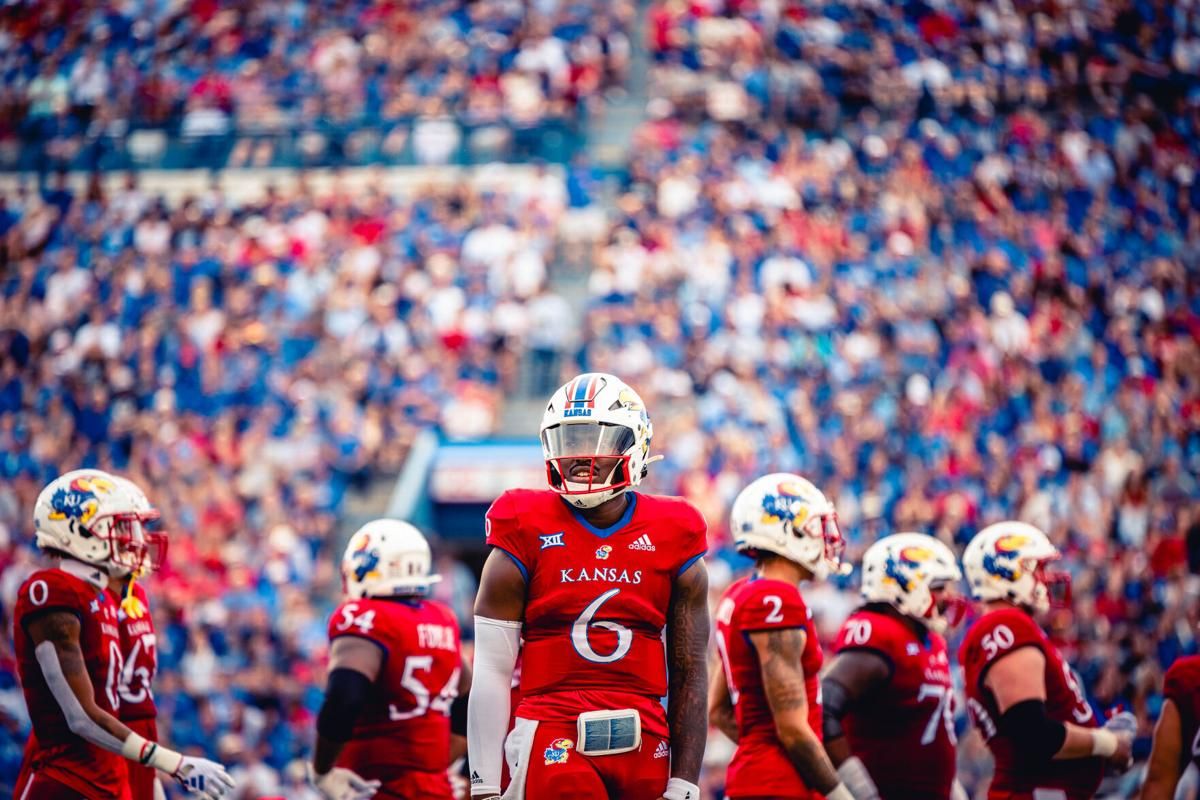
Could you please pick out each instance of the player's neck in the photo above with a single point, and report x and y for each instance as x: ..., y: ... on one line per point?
x: 780, y: 569
x: 607, y: 513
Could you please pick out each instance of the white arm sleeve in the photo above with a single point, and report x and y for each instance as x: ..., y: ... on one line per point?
x: 497, y: 643
x: 77, y: 719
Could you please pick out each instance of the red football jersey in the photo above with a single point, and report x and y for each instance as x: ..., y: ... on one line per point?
x: 597, y: 600
x: 911, y: 719
x: 992, y: 636
x: 1182, y: 687
x: 139, y: 649
x: 406, y: 726
x: 59, y: 754
x: 760, y: 766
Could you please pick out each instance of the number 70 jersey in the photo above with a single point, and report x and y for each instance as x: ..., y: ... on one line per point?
x: 406, y: 726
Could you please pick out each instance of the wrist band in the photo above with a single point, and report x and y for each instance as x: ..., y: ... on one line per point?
x: 679, y: 789
x: 1104, y: 743
x: 839, y: 792
x: 151, y: 754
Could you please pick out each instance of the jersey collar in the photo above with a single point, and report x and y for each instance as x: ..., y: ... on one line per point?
x: 86, y: 572
x: 604, y: 533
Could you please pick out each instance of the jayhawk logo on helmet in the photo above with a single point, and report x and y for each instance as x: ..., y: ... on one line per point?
x: 786, y: 505
x: 78, y: 501
x: 1001, y: 563
x: 898, y: 566
x: 366, y: 559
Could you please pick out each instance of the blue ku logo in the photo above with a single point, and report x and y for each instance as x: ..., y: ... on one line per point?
x: 603, y: 551
x: 558, y: 751
x: 80, y: 500
x: 365, y: 559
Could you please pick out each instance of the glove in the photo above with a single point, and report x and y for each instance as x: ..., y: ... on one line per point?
x: 203, y: 777
x: 1125, y: 722
x: 343, y: 784
x: 854, y: 774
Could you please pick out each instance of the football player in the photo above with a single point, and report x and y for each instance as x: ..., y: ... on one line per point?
x: 596, y: 579
x: 69, y: 653
x: 1020, y: 692
x: 888, y: 696
x: 392, y: 704
x: 770, y: 700
x: 139, y: 646
x: 1177, y: 735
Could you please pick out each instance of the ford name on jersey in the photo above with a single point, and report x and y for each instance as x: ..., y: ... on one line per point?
x: 610, y: 574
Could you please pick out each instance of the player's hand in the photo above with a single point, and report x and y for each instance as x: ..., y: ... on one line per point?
x: 344, y: 784
x: 205, y: 778
x: 1124, y: 725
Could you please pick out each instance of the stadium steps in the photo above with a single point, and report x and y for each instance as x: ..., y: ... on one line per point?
x: 609, y: 136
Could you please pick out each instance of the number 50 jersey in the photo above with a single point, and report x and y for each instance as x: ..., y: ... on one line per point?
x: 406, y: 726
x: 991, y: 637
x: 596, y: 600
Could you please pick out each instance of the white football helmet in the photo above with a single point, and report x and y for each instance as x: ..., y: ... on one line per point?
x: 156, y: 541
x: 785, y: 514
x: 91, y: 516
x: 387, y: 557
x: 595, y: 439
x: 901, y: 570
x: 1007, y: 561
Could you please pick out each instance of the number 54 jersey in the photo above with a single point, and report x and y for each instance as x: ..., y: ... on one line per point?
x: 406, y: 725
x: 596, y: 600
x: 991, y: 637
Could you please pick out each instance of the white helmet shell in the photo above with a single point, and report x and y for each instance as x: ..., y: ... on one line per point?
x: 595, y: 422
x: 387, y: 557
x: 90, y: 515
x: 901, y: 569
x: 1004, y: 562
x: 785, y: 514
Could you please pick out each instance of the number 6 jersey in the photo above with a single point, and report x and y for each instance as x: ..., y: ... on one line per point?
x: 991, y: 637
x: 596, y: 600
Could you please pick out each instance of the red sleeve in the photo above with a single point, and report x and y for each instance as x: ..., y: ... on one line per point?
x: 867, y: 632
x: 694, y: 539
x: 776, y: 606
x: 503, y: 527
x: 1180, y: 682
x: 358, y: 618
x: 48, y: 590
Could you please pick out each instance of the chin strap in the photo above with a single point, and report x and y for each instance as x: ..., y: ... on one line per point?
x: 131, y: 604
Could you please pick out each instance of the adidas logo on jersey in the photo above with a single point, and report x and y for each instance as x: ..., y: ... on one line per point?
x: 663, y: 750
x: 642, y: 543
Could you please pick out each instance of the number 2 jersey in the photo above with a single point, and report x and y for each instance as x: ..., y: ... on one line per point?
x: 54, y: 750
x: 406, y: 723
x: 1182, y: 687
x: 909, y: 720
x: 760, y: 766
x: 993, y: 636
x: 596, y: 600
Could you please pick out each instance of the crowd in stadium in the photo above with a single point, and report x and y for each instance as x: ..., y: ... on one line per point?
x: 940, y: 258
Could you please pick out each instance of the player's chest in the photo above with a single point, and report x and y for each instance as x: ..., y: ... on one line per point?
x: 920, y: 672
x: 570, y: 561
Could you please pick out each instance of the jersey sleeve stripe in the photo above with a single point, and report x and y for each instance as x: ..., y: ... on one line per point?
x: 515, y: 560
x: 364, y: 637
x: 688, y: 564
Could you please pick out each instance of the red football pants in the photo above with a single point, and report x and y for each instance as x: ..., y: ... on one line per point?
x: 411, y: 785
x: 141, y: 779
x: 553, y: 768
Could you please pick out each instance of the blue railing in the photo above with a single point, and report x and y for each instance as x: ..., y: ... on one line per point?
x: 362, y: 142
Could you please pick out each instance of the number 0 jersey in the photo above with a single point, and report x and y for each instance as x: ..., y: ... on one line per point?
x: 910, y: 719
x: 596, y: 600
x: 54, y: 750
x: 1182, y: 687
x: 760, y: 766
x: 993, y: 636
x: 406, y: 723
